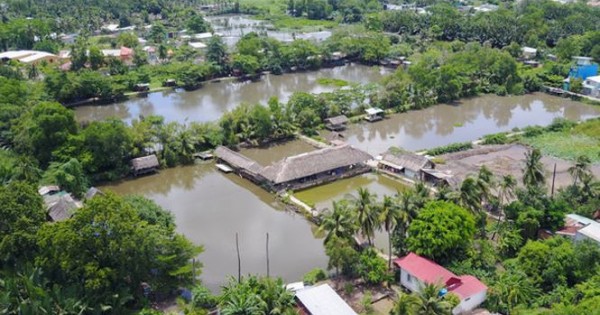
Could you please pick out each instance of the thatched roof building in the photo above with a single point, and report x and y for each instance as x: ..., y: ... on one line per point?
x: 144, y: 164
x: 407, y: 160
x: 237, y: 161
x: 61, y: 206
x: 336, y: 123
x: 313, y: 163
x: 92, y: 192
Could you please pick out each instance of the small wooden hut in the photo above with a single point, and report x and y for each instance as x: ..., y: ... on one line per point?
x: 373, y: 114
x: 144, y: 165
x: 336, y: 123
x: 406, y: 163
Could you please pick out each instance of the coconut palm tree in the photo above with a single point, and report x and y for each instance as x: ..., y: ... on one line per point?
x: 429, y: 302
x: 390, y: 212
x: 506, y: 191
x: 533, y: 172
x: 510, y: 290
x: 485, y: 183
x: 340, y: 222
x: 580, y: 168
x: 367, y: 213
x: 470, y: 195
x: 404, y: 304
x: 406, y: 212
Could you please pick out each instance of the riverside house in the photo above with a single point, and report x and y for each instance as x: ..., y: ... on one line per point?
x: 145, y: 164
x: 407, y: 164
x: 299, y: 171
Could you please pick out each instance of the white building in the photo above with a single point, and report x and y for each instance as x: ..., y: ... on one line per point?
x: 29, y: 56
x: 416, y: 271
x: 591, y: 86
x: 580, y: 228
x: 322, y: 300
x: 529, y: 52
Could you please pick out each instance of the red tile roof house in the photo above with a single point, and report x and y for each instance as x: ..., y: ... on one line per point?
x: 415, y: 271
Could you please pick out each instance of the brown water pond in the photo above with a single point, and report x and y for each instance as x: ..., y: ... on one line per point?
x: 211, y: 207
x: 211, y: 101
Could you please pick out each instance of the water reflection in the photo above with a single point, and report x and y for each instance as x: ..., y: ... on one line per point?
x: 467, y: 120
x: 210, y: 207
x: 211, y: 101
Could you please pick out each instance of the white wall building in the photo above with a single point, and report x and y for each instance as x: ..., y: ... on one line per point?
x: 416, y: 271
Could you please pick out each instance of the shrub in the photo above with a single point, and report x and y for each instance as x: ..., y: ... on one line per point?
x: 532, y: 131
x: 497, y: 138
x: 315, y: 276
x: 455, y: 147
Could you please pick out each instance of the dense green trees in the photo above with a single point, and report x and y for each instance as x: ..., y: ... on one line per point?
x: 107, y: 251
x: 22, y: 215
x: 441, y: 231
x: 43, y: 129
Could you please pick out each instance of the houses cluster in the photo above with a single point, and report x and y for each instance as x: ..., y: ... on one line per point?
x: 414, y: 273
x: 61, y: 205
x: 586, y: 70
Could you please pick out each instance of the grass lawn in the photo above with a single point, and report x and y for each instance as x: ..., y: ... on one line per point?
x: 567, y: 145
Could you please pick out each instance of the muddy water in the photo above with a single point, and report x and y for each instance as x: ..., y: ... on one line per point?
x: 466, y: 121
x: 322, y: 196
x: 211, y: 101
x: 233, y: 27
x: 210, y: 207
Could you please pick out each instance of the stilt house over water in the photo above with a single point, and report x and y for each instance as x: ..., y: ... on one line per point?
x: 144, y: 165
x: 299, y: 171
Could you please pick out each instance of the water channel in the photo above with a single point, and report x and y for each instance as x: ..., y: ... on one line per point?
x: 211, y: 101
x: 210, y: 207
x: 467, y: 120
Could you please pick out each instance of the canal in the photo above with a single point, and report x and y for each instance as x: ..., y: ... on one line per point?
x: 211, y: 207
x: 467, y: 120
x: 213, y: 99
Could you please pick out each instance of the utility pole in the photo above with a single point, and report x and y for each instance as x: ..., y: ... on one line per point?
x: 237, y: 246
x: 268, y: 271
x: 553, y: 179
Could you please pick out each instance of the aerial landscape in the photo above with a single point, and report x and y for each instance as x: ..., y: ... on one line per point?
x: 312, y: 157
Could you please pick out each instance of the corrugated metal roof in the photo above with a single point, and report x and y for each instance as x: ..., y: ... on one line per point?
x: 323, y: 300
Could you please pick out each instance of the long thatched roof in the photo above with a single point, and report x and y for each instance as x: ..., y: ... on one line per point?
x: 406, y: 160
x: 237, y: 160
x: 314, y: 162
x: 145, y: 162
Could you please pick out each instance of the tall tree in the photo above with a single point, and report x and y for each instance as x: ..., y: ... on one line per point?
x: 580, y: 169
x: 442, y: 231
x: 23, y: 214
x: 107, y: 251
x: 430, y: 302
x: 533, y: 172
x: 389, y: 216
x: 367, y: 213
x: 340, y: 222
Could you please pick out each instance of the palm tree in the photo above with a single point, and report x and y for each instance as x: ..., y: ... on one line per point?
x: 404, y: 304
x: 389, y: 217
x: 485, y: 183
x: 580, y: 168
x: 429, y: 301
x: 406, y: 212
x: 510, y: 290
x: 339, y: 223
x: 367, y: 213
x: 470, y: 195
x: 533, y: 172
x: 242, y: 304
x: 506, y: 191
